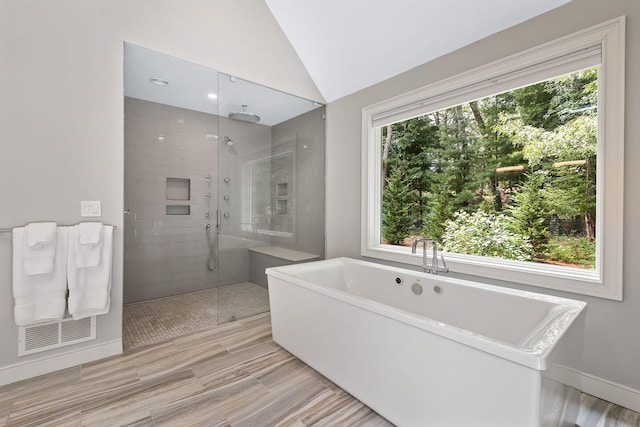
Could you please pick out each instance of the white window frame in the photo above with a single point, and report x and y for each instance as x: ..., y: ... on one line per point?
x: 528, y: 67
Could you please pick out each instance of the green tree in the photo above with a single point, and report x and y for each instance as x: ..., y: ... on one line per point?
x: 530, y: 211
x: 412, y: 150
x: 439, y: 208
x: 495, y: 150
x: 397, y: 222
x: 569, y: 153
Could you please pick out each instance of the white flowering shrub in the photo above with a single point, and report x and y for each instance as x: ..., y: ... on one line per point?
x: 485, y: 234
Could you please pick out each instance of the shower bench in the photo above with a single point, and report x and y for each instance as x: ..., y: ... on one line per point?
x: 263, y: 257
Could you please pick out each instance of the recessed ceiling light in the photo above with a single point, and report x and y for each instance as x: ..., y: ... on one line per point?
x: 212, y: 96
x: 159, y: 81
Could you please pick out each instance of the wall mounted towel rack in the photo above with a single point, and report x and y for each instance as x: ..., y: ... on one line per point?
x: 9, y: 230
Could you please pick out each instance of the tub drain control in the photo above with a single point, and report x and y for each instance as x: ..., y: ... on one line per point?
x: 416, y: 288
x: 398, y: 280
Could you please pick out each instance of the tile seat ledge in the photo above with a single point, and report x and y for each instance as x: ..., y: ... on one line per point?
x: 286, y: 254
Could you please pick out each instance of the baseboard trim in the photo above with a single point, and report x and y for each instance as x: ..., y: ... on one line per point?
x: 59, y: 361
x: 598, y: 387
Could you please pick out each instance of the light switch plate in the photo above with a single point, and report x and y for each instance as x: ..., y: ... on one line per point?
x: 90, y: 208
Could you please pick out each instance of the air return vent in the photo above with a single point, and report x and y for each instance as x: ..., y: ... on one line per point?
x: 47, y: 336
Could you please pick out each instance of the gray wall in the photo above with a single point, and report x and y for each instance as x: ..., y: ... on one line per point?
x: 612, y: 344
x: 166, y: 254
x: 62, y: 137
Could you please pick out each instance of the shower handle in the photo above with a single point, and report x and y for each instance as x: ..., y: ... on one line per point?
x: 218, y: 218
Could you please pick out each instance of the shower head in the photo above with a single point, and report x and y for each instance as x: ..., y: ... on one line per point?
x: 244, y: 116
x: 228, y: 141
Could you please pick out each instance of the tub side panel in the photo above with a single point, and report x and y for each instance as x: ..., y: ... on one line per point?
x: 409, y: 376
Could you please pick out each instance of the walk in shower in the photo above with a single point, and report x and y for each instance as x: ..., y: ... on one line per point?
x: 223, y: 177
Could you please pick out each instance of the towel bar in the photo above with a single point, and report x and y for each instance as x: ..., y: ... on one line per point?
x: 9, y: 230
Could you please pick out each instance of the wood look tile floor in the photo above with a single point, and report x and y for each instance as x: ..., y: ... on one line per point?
x: 230, y: 375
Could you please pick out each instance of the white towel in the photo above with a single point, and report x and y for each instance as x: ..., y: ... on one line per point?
x: 90, y: 233
x: 90, y: 287
x: 89, y: 244
x: 39, y: 248
x: 39, y: 297
x: 39, y: 234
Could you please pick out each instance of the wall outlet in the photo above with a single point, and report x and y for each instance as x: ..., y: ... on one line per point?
x: 90, y: 208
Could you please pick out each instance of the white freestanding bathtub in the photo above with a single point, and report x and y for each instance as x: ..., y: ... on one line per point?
x: 457, y: 354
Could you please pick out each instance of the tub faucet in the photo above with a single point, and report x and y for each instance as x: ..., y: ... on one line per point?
x: 432, y: 267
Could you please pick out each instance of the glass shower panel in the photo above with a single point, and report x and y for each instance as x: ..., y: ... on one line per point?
x: 241, y: 143
x: 271, y: 163
x: 171, y: 149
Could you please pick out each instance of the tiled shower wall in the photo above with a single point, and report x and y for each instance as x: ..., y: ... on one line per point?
x: 166, y: 254
x: 304, y: 135
x: 251, y: 141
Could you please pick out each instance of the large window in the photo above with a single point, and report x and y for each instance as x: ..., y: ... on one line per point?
x: 514, y: 168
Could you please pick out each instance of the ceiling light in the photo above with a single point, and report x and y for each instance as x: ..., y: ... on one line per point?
x: 212, y: 96
x: 159, y: 81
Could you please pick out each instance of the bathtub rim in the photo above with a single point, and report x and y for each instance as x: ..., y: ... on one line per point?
x: 539, y: 357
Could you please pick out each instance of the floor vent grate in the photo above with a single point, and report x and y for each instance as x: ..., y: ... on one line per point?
x: 47, y: 336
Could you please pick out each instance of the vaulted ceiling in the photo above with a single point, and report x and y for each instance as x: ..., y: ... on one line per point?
x: 348, y: 45
x: 345, y: 46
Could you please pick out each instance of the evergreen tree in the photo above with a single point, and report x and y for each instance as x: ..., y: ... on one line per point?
x: 397, y: 222
x: 439, y: 208
x: 530, y: 212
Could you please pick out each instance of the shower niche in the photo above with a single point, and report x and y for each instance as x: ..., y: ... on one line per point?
x: 178, y: 192
x: 271, y: 200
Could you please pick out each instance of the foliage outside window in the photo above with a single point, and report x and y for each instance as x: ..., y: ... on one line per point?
x: 510, y: 175
x: 515, y: 168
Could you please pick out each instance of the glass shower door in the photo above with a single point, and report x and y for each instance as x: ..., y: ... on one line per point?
x: 271, y: 190
x: 240, y: 143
